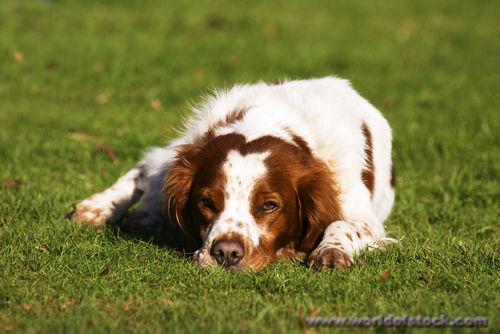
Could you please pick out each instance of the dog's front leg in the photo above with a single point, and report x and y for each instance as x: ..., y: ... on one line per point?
x: 110, y: 205
x: 341, y: 241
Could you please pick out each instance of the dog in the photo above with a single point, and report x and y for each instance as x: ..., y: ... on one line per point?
x: 299, y: 169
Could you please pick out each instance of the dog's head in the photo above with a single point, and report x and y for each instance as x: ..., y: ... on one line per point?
x: 246, y: 202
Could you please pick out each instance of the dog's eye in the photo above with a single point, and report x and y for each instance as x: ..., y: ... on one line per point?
x: 208, y: 203
x: 269, y: 206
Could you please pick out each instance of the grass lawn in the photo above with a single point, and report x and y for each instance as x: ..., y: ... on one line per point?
x: 85, y: 87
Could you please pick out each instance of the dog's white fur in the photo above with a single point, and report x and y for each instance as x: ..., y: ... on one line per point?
x: 327, y: 113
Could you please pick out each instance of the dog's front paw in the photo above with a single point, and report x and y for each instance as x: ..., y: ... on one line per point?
x: 326, y: 258
x: 91, y: 212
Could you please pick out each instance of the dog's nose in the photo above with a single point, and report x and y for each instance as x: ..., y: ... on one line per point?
x: 227, y: 253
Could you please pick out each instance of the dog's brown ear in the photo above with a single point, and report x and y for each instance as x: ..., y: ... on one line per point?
x: 177, y: 186
x: 318, y: 202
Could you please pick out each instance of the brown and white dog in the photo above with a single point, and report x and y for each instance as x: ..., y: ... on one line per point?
x: 301, y: 168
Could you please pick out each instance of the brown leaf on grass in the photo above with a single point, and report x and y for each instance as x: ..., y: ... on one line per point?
x: 97, y: 66
x: 199, y: 74
x: 51, y: 64
x: 104, y: 307
x: 310, y: 331
x: 315, y: 312
x: 167, y: 301
x: 129, y: 306
x: 215, y: 21
x: 387, y: 104
x: 8, y: 326
x: 12, y: 184
x: 67, y: 303
x: 108, y: 150
x: 102, y: 98
x: 155, y: 104
x: 360, y: 263
x: 18, y: 56
x: 385, y: 276
x: 495, y: 227
x: 27, y: 307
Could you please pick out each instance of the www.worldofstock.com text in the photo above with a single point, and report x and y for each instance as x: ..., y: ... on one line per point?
x: 399, y: 321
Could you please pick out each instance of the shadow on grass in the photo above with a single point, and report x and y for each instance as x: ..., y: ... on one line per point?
x: 163, y: 234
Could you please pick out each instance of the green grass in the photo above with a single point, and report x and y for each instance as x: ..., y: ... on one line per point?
x: 74, y: 75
